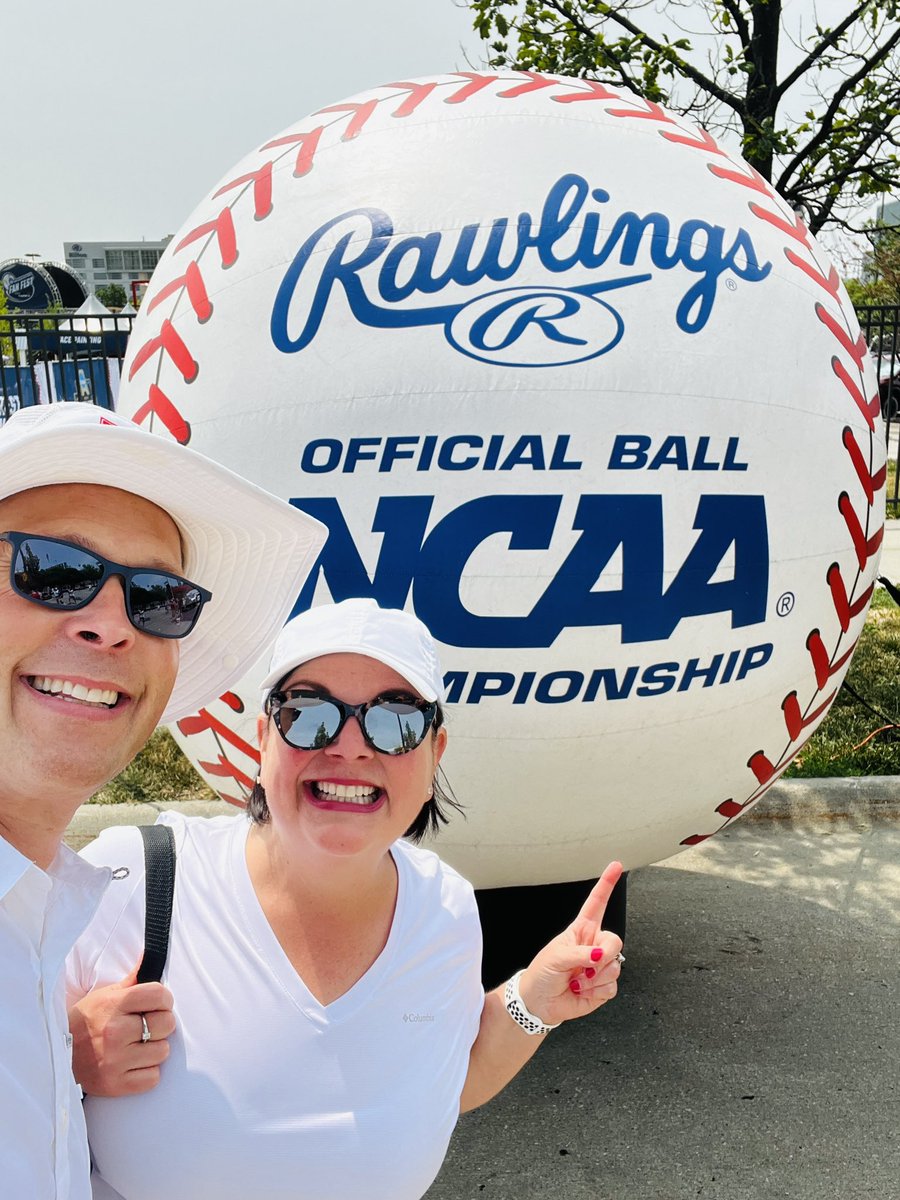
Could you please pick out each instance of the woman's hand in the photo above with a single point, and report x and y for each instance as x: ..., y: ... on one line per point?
x: 578, y: 971
x: 111, y: 1055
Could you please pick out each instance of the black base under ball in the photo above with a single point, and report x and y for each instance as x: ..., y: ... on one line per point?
x: 517, y: 921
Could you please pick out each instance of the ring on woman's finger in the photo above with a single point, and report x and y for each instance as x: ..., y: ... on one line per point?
x: 145, y: 1032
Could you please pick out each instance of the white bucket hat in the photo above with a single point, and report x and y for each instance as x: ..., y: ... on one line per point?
x: 389, y: 635
x: 250, y: 549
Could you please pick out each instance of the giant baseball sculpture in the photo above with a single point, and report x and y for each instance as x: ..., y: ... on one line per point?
x: 570, y: 380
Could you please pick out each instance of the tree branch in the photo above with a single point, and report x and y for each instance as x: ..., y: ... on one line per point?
x: 689, y: 71
x: 740, y: 21
x: 817, y: 51
x: 827, y: 123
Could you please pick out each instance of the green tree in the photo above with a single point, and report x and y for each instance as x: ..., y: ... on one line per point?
x: 6, y: 345
x: 880, y: 283
x: 112, y: 295
x: 816, y: 107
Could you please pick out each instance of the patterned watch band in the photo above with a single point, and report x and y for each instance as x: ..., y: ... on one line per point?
x: 515, y: 1006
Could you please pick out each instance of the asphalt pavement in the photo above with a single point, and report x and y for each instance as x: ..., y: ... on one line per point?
x: 753, y: 1052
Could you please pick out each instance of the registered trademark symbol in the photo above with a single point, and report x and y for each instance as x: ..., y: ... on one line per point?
x: 731, y: 284
x: 785, y: 604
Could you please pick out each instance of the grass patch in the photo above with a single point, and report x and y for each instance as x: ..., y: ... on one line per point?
x: 160, y: 773
x: 851, y: 740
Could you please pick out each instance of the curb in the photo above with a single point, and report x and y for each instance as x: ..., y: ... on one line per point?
x: 863, y: 797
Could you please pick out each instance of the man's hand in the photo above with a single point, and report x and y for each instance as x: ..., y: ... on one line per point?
x: 108, y: 1056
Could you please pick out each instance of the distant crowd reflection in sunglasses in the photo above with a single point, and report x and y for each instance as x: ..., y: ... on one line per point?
x: 64, y: 576
x: 392, y: 723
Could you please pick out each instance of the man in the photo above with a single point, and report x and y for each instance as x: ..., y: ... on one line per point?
x: 138, y: 580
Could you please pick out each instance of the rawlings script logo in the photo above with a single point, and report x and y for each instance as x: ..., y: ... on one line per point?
x: 385, y: 278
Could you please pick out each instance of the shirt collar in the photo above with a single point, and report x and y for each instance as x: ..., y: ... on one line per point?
x: 13, y: 866
x: 67, y: 867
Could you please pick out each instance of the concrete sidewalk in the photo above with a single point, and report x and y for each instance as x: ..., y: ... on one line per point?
x: 752, y: 1052
x: 890, y: 552
x: 787, y: 800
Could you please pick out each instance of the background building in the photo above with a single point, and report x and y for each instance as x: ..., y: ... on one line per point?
x: 114, y: 262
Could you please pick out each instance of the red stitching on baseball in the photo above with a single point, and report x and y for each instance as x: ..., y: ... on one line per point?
x: 793, y: 229
x: 843, y: 608
x: 761, y: 766
x: 225, y: 768
x: 596, y: 91
x: 159, y: 405
x: 262, y: 189
x: 754, y: 180
x: 794, y: 719
x: 203, y: 720
x: 705, y: 142
x: 418, y: 94
x: 870, y: 483
x: 870, y: 409
x: 651, y: 113
x: 856, y: 349
x: 360, y: 115
x: 309, y: 144
x: 476, y: 84
x: 536, y: 81
x: 169, y: 341
x: 223, y: 228
x: 864, y: 547
x: 823, y: 668
x: 831, y: 284
x: 192, y: 281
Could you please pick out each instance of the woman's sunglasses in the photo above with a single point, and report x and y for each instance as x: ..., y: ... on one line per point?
x: 65, y: 577
x: 391, y: 724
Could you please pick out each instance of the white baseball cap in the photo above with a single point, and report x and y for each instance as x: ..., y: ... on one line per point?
x: 250, y: 549
x: 389, y: 635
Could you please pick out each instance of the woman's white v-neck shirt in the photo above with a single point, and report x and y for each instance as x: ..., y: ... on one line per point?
x: 266, y: 1092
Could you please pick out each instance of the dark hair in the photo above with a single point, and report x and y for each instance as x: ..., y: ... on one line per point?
x: 431, y: 816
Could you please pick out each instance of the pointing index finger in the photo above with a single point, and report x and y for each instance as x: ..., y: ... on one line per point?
x: 594, y: 908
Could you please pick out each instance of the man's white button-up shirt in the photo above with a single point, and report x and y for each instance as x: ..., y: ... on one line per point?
x: 43, y: 1144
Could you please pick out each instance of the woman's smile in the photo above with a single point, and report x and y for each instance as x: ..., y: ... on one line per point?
x: 351, y: 796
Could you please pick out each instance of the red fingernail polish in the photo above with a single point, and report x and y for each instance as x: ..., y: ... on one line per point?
x: 574, y: 986
x: 590, y: 972
x: 596, y: 954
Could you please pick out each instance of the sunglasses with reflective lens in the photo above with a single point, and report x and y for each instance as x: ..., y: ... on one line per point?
x: 64, y: 576
x: 392, y: 723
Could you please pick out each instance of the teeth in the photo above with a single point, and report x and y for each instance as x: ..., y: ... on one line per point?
x: 78, y: 691
x: 347, y: 793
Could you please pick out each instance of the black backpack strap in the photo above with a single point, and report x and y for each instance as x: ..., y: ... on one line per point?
x: 159, y: 883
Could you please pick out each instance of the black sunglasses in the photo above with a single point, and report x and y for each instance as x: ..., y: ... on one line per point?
x: 65, y: 577
x: 391, y: 723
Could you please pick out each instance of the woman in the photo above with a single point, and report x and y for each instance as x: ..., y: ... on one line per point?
x: 329, y: 1022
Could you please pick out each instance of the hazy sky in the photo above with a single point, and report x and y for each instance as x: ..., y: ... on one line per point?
x: 120, y: 117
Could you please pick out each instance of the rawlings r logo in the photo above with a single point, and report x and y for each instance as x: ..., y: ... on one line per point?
x: 528, y: 326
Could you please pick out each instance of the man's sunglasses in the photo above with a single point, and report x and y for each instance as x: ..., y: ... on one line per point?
x: 65, y: 577
x: 391, y: 723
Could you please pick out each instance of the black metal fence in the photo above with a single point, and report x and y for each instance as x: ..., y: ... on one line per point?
x: 64, y: 357
x: 881, y: 328
x: 44, y: 359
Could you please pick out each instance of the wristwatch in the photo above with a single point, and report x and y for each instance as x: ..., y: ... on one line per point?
x: 515, y: 1006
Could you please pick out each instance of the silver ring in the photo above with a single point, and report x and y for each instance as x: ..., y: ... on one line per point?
x: 620, y: 958
x: 145, y: 1032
